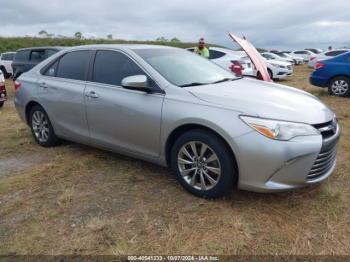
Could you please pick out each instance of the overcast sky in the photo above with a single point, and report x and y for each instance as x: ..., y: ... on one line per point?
x: 267, y: 23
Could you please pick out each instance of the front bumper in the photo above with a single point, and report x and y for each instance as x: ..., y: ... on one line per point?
x: 283, y: 72
x: 267, y: 165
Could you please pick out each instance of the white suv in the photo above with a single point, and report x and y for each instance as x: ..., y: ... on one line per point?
x: 6, y: 62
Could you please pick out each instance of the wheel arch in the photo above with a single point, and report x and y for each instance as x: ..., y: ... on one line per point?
x: 335, y: 76
x: 178, y: 131
x: 29, y: 107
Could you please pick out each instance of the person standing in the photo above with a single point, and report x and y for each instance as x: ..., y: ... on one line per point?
x: 202, y: 50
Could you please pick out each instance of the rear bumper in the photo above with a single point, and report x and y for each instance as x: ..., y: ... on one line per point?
x: 317, y: 80
x: 3, y: 96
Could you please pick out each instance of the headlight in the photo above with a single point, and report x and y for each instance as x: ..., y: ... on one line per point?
x: 278, y: 66
x: 279, y: 130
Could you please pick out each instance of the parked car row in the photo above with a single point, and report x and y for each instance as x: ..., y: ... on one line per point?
x: 239, y: 63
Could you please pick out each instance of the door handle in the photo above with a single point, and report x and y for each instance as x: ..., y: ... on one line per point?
x: 92, y: 94
x: 43, y: 85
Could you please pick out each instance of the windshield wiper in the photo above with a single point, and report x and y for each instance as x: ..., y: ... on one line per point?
x: 224, y: 80
x: 194, y: 84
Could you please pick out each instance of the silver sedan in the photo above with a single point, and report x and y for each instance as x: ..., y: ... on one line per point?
x: 174, y: 108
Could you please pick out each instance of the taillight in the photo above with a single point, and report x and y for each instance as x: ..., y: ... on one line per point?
x: 236, y: 67
x: 319, y: 65
x: 2, y: 87
x: 17, y: 85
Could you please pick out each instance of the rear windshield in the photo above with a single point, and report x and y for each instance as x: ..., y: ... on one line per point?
x: 7, y: 56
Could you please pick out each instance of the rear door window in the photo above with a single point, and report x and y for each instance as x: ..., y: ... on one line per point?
x: 74, y: 65
x: 111, y: 67
x: 22, y: 55
x: 37, y: 55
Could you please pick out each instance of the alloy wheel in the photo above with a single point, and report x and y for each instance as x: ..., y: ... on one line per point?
x: 340, y: 87
x: 199, y: 165
x: 40, y: 126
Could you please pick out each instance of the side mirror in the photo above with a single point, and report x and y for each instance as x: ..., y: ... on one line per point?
x: 137, y: 82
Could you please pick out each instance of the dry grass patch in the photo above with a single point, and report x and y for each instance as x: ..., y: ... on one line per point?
x: 73, y: 199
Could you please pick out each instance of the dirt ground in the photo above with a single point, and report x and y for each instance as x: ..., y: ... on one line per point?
x: 74, y: 199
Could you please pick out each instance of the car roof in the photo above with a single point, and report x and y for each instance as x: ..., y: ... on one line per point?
x: 123, y: 46
x: 41, y: 47
x: 8, y: 53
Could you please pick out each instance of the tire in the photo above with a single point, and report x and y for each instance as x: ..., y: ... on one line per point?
x: 2, y: 104
x: 41, y: 127
x: 203, y: 178
x: 270, y: 73
x: 339, y: 86
x: 4, y: 72
x: 295, y: 62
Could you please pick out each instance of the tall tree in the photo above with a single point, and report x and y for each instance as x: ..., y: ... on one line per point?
x: 78, y: 35
x: 175, y: 40
x: 110, y: 36
x: 43, y: 33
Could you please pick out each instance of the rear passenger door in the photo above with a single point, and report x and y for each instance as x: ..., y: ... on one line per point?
x: 121, y: 119
x: 61, y: 91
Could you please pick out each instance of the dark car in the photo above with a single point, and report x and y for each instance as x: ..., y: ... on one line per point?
x: 26, y: 58
x: 333, y: 73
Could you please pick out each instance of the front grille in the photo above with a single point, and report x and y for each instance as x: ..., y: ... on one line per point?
x: 323, y: 163
x: 327, y: 129
x: 327, y: 155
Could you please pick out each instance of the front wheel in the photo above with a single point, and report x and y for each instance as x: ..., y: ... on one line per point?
x: 41, y: 127
x: 339, y: 86
x: 203, y: 164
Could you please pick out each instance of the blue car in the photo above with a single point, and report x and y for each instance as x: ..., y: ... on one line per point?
x: 334, y: 74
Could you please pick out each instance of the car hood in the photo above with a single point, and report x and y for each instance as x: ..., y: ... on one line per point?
x: 266, y: 100
x: 278, y: 62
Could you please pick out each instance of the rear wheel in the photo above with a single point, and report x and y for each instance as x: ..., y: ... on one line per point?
x: 41, y: 127
x: 339, y: 86
x: 270, y: 73
x: 2, y: 103
x: 203, y: 164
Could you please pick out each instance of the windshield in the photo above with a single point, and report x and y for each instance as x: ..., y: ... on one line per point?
x: 183, y: 68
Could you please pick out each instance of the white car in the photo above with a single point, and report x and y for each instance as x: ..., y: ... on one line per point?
x: 224, y: 57
x: 297, y: 59
x: 277, y: 69
x: 2, y: 78
x: 227, y: 58
x: 6, y: 62
x: 325, y: 55
x: 305, y: 54
x: 273, y: 56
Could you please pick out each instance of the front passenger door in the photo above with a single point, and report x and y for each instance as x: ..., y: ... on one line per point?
x: 121, y: 119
